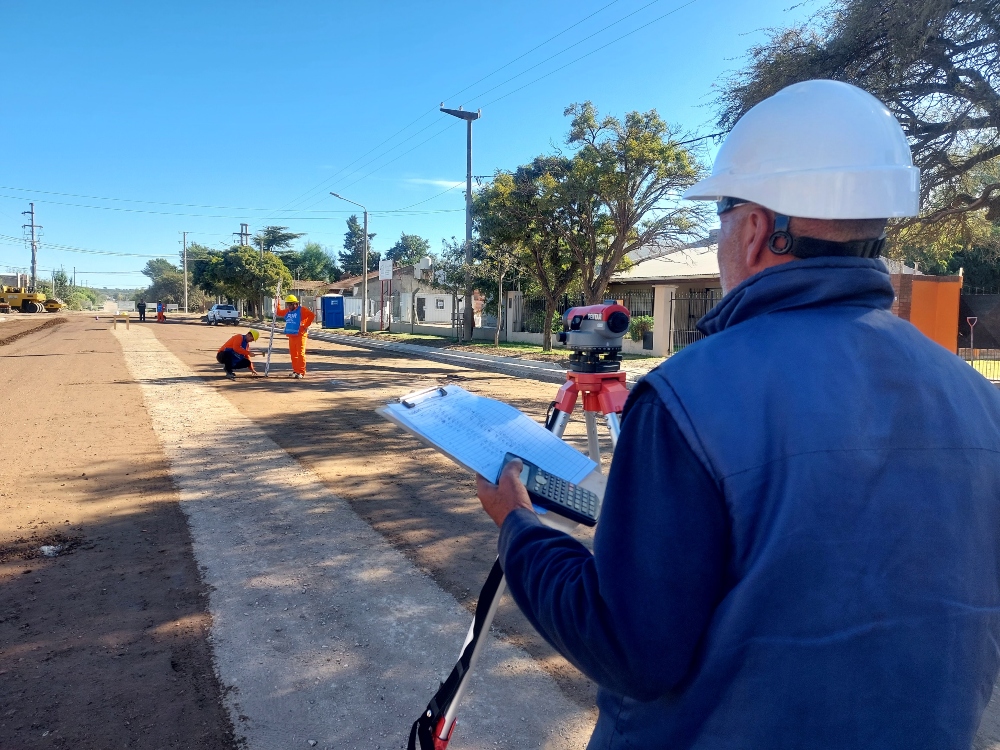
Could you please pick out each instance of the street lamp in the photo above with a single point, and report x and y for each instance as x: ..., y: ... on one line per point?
x: 469, y: 117
x: 364, y: 267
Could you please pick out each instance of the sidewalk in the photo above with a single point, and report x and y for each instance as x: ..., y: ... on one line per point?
x: 547, y: 372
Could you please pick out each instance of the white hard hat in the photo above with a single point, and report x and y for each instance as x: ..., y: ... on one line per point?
x: 818, y: 150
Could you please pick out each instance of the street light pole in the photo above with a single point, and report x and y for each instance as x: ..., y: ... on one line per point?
x: 469, y: 117
x: 185, y: 241
x: 364, y: 267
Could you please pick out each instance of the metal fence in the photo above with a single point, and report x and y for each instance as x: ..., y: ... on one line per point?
x: 532, y: 312
x: 985, y: 361
x: 685, y: 311
x: 638, y: 301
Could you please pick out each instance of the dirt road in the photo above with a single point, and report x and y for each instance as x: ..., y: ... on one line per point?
x: 104, y: 645
x: 418, y: 500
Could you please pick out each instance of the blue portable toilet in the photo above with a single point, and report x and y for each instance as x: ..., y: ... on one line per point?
x: 333, y: 310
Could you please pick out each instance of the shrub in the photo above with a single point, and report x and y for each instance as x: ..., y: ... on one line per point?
x: 640, y: 325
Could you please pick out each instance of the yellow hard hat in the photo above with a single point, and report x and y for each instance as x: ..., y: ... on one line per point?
x: 291, y: 298
x: 253, y: 334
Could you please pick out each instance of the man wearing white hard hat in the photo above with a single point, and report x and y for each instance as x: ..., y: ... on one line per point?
x: 800, y: 539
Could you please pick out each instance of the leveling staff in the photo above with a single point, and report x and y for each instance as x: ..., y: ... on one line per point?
x: 297, y: 322
x: 798, y: 546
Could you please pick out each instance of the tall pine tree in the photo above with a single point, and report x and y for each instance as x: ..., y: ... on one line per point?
x: 352, y: 259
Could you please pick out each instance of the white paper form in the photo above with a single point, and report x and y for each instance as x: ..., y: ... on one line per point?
x: 477, y: 432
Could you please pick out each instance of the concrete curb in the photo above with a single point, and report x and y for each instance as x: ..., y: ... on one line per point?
x: 519, y: 368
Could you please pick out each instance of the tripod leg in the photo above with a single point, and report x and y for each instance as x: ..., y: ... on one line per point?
x: 592, y: 443
x: 557, y: 422
x: 614, y: 427
x: 484, y: 629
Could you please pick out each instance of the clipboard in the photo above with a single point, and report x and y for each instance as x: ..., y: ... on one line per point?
x: 477, y: 432
x: 410, y: 400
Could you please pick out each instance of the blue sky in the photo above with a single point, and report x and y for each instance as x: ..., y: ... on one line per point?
x: 192, y: 115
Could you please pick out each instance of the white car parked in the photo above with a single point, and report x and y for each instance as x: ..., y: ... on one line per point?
x: 222, y: 314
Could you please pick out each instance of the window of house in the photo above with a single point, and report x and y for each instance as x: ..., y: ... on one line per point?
x: 439, y: 304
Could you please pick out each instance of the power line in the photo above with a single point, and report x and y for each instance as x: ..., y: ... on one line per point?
x: 70, y: 249
x: 453, y: 187
x: 539, y: 46
x: 218, y: 216
x: 327, y: 181
x: 567, y: 49
x: 594, y: 51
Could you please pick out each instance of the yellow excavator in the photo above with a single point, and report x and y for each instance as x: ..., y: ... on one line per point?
x: 27, y: 300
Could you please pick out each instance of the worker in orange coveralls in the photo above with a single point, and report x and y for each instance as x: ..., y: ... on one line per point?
x: 235, y: 353
x: 297, y: 322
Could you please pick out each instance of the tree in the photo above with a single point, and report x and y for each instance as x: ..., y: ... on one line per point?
x: 514, y: 211
x: 936, y: 66
x: 158, y: 267
x: 621, y: 192
x: 166, y: 282
x: 275, y: 238
x: 241, y: 273
x: 409, y: 249
x: 312, y: 262
x: 499, y: 262
x: 450, y: 271
x: 352, y: 260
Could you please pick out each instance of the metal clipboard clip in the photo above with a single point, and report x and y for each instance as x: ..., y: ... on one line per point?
x: 412, y: 399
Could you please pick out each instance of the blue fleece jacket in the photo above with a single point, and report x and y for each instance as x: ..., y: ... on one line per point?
x: 800, y: 540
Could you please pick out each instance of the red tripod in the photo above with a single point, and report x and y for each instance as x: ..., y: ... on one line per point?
x: 603, y: 393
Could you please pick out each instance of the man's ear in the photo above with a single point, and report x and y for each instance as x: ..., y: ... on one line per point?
x: 757, y: 230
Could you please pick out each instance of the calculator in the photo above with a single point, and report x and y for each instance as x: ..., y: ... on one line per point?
x: 551, y: 493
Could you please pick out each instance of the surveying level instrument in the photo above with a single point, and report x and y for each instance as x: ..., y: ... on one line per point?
x: 595, y: 335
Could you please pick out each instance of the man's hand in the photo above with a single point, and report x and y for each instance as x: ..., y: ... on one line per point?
x: 509, y: 494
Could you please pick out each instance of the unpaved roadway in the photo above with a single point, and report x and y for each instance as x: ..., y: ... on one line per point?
x: 103, y: 646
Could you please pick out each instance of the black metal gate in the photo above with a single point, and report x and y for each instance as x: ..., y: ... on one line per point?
x: 686, y: 310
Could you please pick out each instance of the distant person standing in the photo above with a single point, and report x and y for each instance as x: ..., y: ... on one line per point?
x: 141, y: 307
x: 235, y: 353
x: 160, y: 317
x: 297, y: 322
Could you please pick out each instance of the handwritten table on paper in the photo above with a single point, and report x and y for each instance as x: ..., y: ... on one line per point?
x: 477, y: 432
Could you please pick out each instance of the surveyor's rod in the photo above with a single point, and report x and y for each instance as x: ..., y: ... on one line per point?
x: 270, y: 341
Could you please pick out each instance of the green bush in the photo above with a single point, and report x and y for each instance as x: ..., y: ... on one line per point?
x: 640, y: 325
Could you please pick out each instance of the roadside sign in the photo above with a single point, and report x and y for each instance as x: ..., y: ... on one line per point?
x: 385, y: 270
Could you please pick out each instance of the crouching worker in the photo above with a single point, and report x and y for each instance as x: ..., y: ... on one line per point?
x: 297, y: 322
x: 235, y: 354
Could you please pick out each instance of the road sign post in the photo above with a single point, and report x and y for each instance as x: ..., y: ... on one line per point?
x: 384, y: 275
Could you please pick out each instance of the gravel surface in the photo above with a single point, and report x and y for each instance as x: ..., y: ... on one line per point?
x: 321, y: 629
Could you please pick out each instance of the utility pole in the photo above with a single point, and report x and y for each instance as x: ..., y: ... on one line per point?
x: 34, y: 243
x: 364, y: 267
x: 185, y: 241
x: 244, y: 234
x: 469, y: 117
x: 74, y: 277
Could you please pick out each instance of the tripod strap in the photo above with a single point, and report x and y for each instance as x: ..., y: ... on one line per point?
x: 424, y: 735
